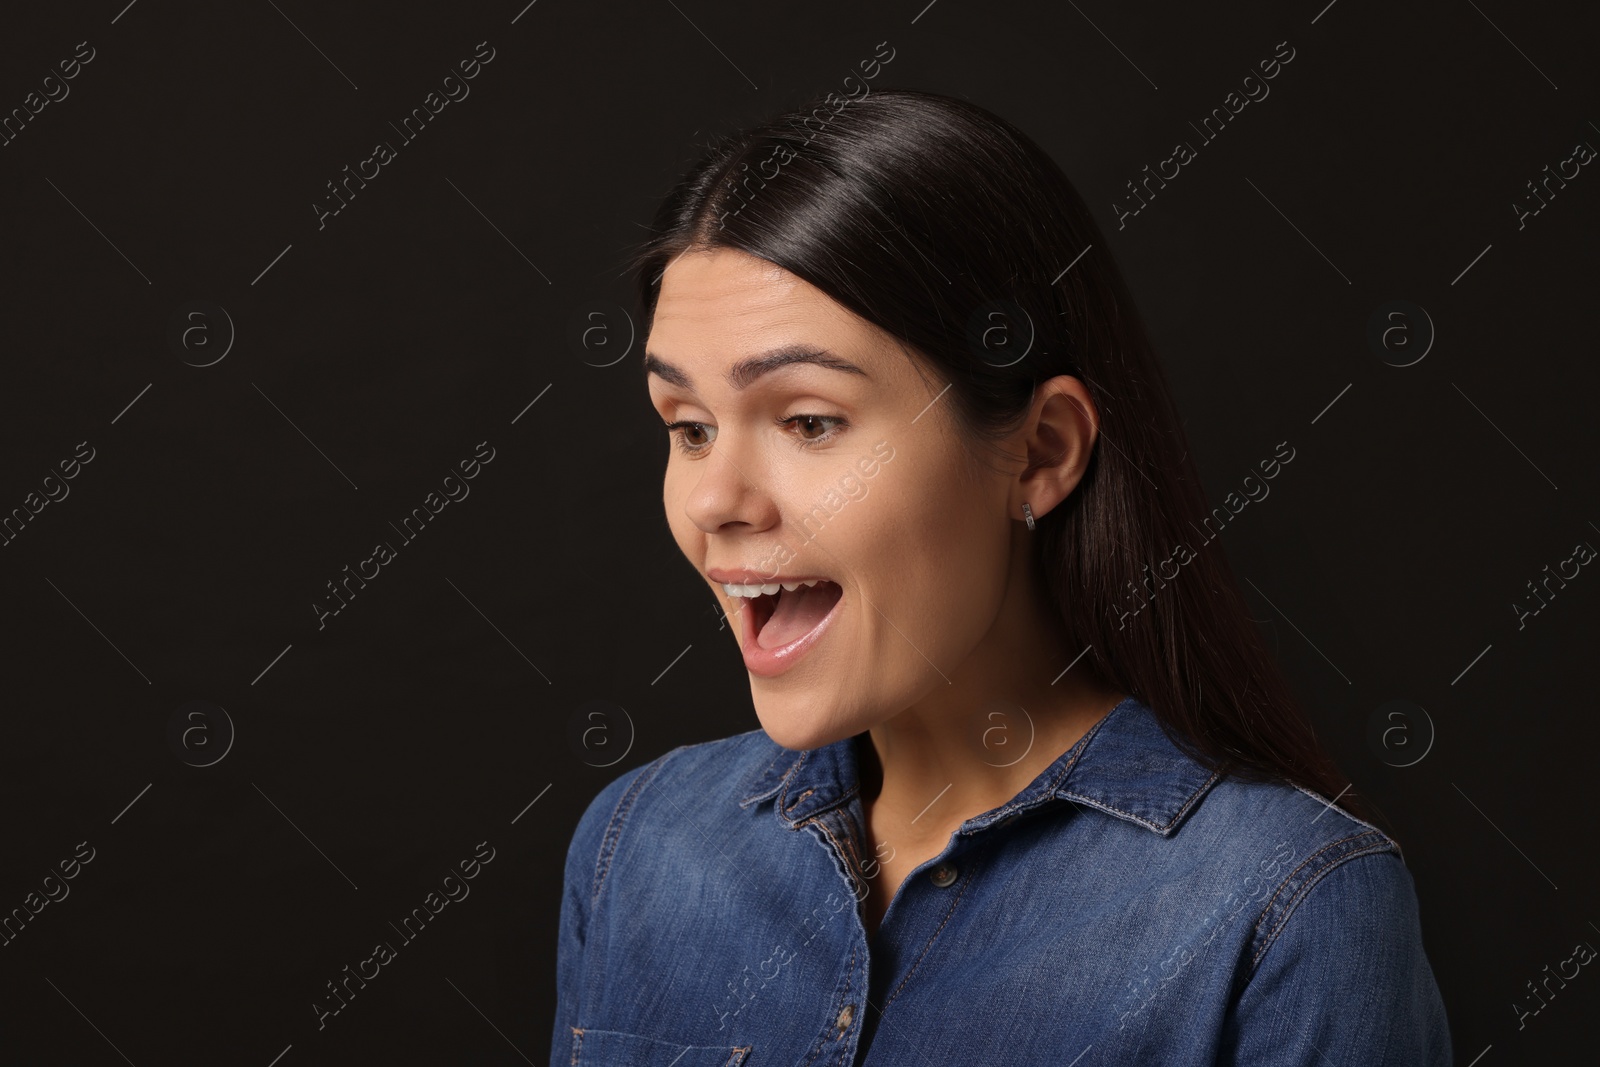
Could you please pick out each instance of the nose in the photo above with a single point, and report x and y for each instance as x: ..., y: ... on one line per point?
x: 728, y: 490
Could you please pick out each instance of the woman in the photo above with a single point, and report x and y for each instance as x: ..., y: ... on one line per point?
x: 1028, y: 788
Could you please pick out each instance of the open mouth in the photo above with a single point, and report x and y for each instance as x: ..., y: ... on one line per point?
x: 784, y: 617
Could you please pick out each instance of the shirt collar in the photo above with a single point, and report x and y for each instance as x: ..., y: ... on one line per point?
x: 1125, y: 766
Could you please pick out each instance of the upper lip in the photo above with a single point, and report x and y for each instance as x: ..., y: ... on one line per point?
x: 745, y: 576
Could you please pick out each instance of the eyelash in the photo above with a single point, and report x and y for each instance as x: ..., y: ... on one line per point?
x: 675, y: 431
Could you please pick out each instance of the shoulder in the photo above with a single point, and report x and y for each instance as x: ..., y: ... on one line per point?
x: 1335, y: 964
x: 695, y: 777
x: 1305, y: 859
x: 706, y: 766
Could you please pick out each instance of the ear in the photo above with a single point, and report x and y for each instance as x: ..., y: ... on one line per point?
x: 1058, y: 437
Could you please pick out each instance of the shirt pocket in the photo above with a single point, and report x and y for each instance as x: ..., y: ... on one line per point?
x: 613, y: 1048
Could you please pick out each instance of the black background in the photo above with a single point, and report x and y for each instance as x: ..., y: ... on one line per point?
x: 446, y: 704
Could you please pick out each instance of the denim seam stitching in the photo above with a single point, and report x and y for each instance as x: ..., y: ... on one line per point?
x: 928, y: 947
x: 1194, y: 798
x: 766, y: 772
x: 1082, y: 747
x: 1312, y: 884
x: 1329, y: 803
x: 1352, y: 851
x: 1266, y: 910
x: 816, y: 1049
x: 1019, y: 805
x: 849, y: 977
x: 788, y: 780
x: 1160, y: 828
x: 613, y: 834
x: 832, y: 805
x: 856, y: 875
x: 822, y: 825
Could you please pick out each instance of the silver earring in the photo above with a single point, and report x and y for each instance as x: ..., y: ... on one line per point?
x: 1027, y: 514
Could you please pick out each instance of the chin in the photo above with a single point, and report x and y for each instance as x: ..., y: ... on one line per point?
x: 793, y: 723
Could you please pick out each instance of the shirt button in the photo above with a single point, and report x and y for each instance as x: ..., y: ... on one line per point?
x: 942, y: 875
x: 843, y: 1022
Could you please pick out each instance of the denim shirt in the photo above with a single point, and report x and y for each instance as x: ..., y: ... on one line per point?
x: 1127, y: 907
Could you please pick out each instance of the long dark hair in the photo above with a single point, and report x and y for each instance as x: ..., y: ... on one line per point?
x: 946, y: 226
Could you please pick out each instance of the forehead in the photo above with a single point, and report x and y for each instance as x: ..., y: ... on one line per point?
x: 731, y: 302
x: 727, y: 316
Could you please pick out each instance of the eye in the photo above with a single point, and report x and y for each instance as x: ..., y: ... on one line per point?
x: 807, y: 437
x: 808, y: 422
x: 678, y: 431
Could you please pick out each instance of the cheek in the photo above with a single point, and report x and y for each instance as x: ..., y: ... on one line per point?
x: 940, y: 548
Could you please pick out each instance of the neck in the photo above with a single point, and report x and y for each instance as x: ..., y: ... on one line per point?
x: 1005, y: 715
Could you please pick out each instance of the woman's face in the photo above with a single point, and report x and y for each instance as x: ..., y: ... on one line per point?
x: 806, y: 469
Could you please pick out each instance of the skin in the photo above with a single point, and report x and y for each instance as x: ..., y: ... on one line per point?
x: 945, y: 647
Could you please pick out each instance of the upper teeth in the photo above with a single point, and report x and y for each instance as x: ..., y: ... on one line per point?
x: 733, y: 589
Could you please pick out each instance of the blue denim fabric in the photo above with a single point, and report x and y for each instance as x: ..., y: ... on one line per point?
x: 1127, y: 907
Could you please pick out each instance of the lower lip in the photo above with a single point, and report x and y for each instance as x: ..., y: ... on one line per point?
x: 770, y: 662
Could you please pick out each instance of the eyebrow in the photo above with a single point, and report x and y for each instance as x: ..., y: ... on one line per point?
x: 743, y: 373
